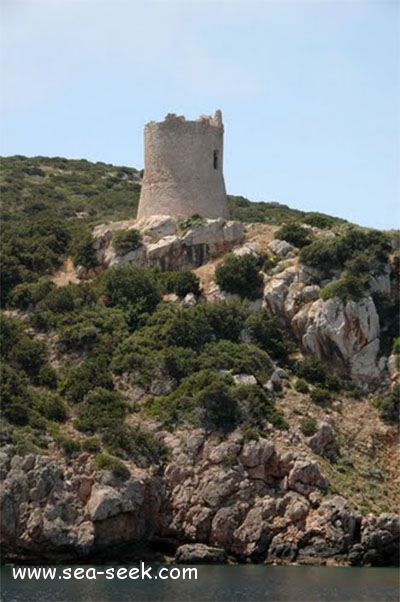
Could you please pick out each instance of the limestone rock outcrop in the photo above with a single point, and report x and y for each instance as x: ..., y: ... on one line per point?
x: 217, y: 498
x: 165, y: 243
x: 345, y: 335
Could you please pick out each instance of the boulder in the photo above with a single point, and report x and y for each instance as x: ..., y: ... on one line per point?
x: 103, y: 503
x: 199, y: 553
x: 323, y: 441
x: 280, y: 247
x: 306, y: 476
x: 345, y: 335
x: 155, y: 227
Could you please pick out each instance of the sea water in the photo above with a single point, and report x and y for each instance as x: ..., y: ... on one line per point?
x: 216, y: 583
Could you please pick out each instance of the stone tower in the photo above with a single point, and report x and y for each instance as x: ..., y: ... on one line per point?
x: 183, y: 168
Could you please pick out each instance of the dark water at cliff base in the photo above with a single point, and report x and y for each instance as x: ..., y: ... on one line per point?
x: 215, y: 583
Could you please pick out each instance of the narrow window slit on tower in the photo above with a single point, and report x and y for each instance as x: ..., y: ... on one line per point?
x: 216, y: 153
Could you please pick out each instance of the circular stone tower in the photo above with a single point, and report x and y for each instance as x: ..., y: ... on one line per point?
x: 183, y: 168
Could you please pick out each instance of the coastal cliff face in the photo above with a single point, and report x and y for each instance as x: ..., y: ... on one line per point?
x: 237, y: 499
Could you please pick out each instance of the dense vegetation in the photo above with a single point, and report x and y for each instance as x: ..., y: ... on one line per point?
x: 84, y: 352
x: 50, y: 205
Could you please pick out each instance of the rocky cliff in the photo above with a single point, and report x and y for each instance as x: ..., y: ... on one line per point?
x: 232, y: 498
x: 321, y: 489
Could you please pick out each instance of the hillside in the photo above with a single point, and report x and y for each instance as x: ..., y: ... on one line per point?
x: 231, y: 383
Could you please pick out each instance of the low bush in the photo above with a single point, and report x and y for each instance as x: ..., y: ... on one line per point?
x: 311, y: 370
x: 131, y: 286
x: 114, y: 465
x: 301, y: 386
x: 184, y: 405
x: 240, y: 275
x: 264, y: 330
x: 28, y: 294
x: 133, y: 442
x: 69, y: 446
x: 47, y: 377
x: 85, y: 253
x: 295, y: 234
x: 51, y: 406
x: 354, y: 248
x: 388, y: 405
x: 92, y: 373
x: 29, y: 355
x: 308, y: 426
x: 239, y: 358
x: 194, y: 221
x: 256, y: 407
x: 91, y: 445
x: 319, y: 220
x: 180, y: 283
x: 99, y: 410
x: 320, y: 395
x: 349, y: 287
x: 126, y: 241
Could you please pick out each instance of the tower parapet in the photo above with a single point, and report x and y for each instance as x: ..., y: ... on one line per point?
x: 183, y: 168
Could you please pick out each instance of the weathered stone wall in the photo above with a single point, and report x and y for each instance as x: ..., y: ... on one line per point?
x: 183, y: 168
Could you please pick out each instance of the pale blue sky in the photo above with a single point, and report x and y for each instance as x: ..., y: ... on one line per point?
x: 309, y: 90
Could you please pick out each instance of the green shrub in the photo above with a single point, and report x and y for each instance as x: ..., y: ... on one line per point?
x: 85, y: 253
x: 308, y: 426
x: 183, y: 404
x: 92, y: 373
x: 311, y: 370
x: 105, y: 462
x: 294, y: 234
x: 194, y: 221
x: 51, y: 406
x: 126, y: 241
x: 59, y: 300
x: 47, y: 377
x: 133, y: 442
x: 179, y: 362
x: 333, y: 383
x: 388, y: 309
x: 180, y: 283
x: 250, y: 434
x: 11, y: 331
x: 256, y: 407
x: 219, y: 405
x: 188, y: 328
x: 30, y: 293
x: 15, y: 397
x: 388, y: 405
x: 93, y: 327
x: 355, y: 247
x: 264, y: 330
x: 92, y: 445
x: 320, y: 395
x: 348, y: 287
x: 69, y: 446
x: 396, y: 346
x: 100, y: 409
x: 240, y: 358
x: 131, y: 285
x: 319, y: 220
x: 225, y: 318
x: 29, y: 355
x: 301, y: 386
x: 240, y: 275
